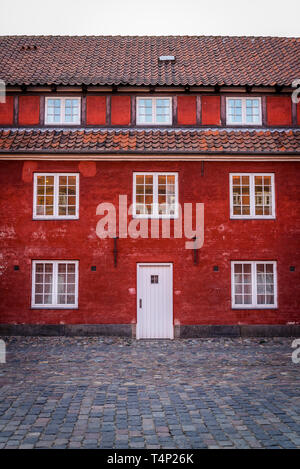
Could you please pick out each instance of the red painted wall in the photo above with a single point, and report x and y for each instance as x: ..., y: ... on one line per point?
x: 211, y: 110
x: 201, y: 296
x: 298, y: 113
x: 29, y: 110
x: 96, y: 110
x: 120, y: 110
x: 279, y: 110
x: 7, y: 111
x: 186, y: 110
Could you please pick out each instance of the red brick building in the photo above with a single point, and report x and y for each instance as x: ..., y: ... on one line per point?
x: 162, y: 121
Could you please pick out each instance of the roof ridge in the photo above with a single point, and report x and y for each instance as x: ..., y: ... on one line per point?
x: 144, y: 36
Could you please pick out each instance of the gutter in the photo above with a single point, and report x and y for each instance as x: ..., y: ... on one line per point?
x: 142, y: 156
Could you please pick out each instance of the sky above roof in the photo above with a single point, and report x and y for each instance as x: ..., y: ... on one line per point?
x: 156, y: 17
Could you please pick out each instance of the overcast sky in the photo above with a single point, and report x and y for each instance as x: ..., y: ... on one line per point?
x: 152, y: 17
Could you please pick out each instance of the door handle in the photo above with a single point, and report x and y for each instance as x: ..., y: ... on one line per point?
x: 140, y: 302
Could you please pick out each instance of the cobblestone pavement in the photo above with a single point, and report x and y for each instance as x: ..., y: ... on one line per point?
x: 96, y: 392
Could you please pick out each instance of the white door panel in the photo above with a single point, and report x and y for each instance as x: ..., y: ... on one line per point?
x: 154, y: 301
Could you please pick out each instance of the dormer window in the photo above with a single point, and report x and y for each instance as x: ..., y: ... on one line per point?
x: 157, y: 111
x: 62, y: 111
x: 243, y: 111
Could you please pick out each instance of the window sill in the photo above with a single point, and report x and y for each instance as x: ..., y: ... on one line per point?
x: 54, y: 307
x: 57, y: 124
x: 156, y: 217
x: 255, y: 307
x: 55, y: 218
x: 154, y: 124
x: 243, y: 124
x: 240, y: 217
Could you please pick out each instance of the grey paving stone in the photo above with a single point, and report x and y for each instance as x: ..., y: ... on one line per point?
x: 104, y: 392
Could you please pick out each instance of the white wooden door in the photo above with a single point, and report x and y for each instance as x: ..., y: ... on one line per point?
x: 154, y: 301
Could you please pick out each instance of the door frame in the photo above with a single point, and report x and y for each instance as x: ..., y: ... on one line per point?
x: 149, y: 264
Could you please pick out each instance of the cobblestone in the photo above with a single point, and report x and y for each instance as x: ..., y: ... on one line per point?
x: 59, y: 392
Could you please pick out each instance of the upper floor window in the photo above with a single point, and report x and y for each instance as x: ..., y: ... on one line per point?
x: 155, y: 195
x: 55, y: 284
x: 243, y: 111
x: 56, y: 195
x: 62, y: 111
x: 154, y: 111
x: 254, y: 284
x: 252, y: 196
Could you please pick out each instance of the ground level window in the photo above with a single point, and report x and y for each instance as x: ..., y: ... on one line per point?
x: 254, y: 284
x: 55, y: 284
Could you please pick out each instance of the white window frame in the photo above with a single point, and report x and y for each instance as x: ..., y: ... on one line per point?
x: 153, y: 111
x: 252, y: 196
x: 62, y: 110
x: 243, y: 122
x: 254, y: 304
x: 55, y: 215
x: 155, y: 213
x: 54, y: 305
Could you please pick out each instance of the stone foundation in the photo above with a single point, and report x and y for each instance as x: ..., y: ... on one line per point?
x: 128, y: 330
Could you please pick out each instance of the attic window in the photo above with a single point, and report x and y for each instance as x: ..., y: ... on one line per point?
x: 29, y: 47
x: 166, y: 58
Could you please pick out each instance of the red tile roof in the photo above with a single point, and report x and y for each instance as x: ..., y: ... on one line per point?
x: 133, y: 60
x: 150, y: 141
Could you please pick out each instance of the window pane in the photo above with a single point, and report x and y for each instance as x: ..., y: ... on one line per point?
x: 265, y: 283
x: 235, y: 111
x: 241, y: 195
x: 238, y: 299
x: 71, y: 288
x: 45, y: 195
x: 38, y: 299
x: 237, y: 210
x: 67, y: 196
x: 61, y: 299
x: 252, y: 111
x: 145, y: 111
x: 238, y: 268
x: 43, y: 283
x: 71, y: 211
x: 144, y: 194
x: 236, y: 180
x: 242, y: 284
x: 247, y: 299
x: 70, y: 299
x: 39, y: 267
x: 53, y: 111
x: 66, y: 283
x: 263, y: 195
x: 270, y: 300
x: 166, y: 194
x: 162, y: 111
x: 71, y: 110
x: 139, y: 179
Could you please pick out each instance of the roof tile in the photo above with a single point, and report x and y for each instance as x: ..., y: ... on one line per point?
x: 149, y: 141
x: 133, y: 60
